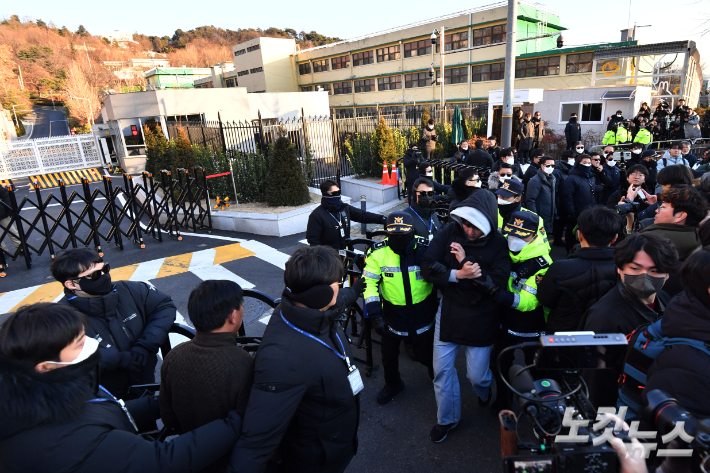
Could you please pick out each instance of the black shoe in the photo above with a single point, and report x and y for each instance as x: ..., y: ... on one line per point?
x: 491, y: 396
x: 439, y: 432
x: 387, y: 393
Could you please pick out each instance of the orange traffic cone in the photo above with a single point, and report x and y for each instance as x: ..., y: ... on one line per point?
x: 394, y: 177
x: 385, y: 175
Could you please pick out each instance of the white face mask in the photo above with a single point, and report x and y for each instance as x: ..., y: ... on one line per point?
x: 570, y: 162
x: 510, y: 160
x: 503, y: 202
x: 548, y: 169
x: 636, y: 151
x: 587, y: 165
x: 579, y: 150
x: 516, y: 244
x: 611, y: 163
x: 464, y: 147
x: 618, y: 115
x: 478, y: 184
x: 429, y: 174
x: 503, y: 178
x: 89, y: 348
x: 431, y: 127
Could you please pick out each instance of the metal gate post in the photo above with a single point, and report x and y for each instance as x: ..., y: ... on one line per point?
x: 65, y: 204
x: 108, y: 187
x: 43, y: 214
x: 92, y: 218
x: 18, y: 224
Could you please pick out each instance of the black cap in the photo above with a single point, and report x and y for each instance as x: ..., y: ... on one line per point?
x: 510, y: 188
x: 399, y: 222
x: 522, y: 224
x: 650, y: 152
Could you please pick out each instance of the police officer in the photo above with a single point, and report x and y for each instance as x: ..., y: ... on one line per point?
x: 425, y: 220
x: 623, y: 133
x: 610, y: 135
x: 510, y: 196
x: 643, y: 136
x: 405, y: 300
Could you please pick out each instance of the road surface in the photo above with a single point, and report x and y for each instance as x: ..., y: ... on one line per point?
x: 48, y: 122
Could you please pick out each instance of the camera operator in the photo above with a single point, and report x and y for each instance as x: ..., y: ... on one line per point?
x: 426, y: 221
x: 130, y: 319
x: 661, y: 115
x: 682, y: 112
x: 463, y: 186
x: 683, y: 371
x: 635, y: 199
x: 677, y: 132
x: 412, y: 159
x: 610, y: 169
x: 493, y: 149
x: 672, y: 156
x: 616, y: 119
x: 429, y: 138
x: 571, y: 286
x: 469, y: 247
x: 680, y: 212
x: 643, y: 262
x: 462, y: 153
x: 329, y: 223
x: 643, y: 113
x: 304, y: 401
x: 56, y: 417
x: 657, y: 133
x: 408, y: 302
x: 425, y: 170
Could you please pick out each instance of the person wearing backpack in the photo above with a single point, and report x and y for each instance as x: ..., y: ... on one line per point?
x: 683, y: 371
x: 644, y: 262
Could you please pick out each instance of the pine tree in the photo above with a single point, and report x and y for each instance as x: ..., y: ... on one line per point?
x: 157, y: 157
x: 286, y: 184
x: 184, y: 154
x: 385, y: 150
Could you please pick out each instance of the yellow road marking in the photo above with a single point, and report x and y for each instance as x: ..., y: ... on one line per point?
x: 228, y: 253
x: 45, y: 293
x: 175, y: 265
x: 123, y: 273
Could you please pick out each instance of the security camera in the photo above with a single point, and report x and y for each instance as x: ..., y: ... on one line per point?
x: 431, y: 71
x: 433, y: 38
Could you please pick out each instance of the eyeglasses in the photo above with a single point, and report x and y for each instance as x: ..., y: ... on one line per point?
x: 429, y: 193
x: 98, y: 273
x: 474, y: 180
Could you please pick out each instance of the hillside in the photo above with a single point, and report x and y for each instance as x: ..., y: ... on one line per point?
x: 48, y: 57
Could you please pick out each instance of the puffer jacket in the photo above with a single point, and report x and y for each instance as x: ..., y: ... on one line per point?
x: 132, y: 314
x: 577, y: 193
x: 540, y: 198
x: 468, y: 317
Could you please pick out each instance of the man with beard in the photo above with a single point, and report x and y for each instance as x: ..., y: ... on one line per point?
x: 408, y: 303
x: 425, y: 220
x: 329, y: 224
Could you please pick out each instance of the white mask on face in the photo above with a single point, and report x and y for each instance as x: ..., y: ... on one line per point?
x: 89, y: 348
x: 431, y: 127
x: 586, y: 165
x: 636, y: 151
x: 502, y: 179
x: 579, y: 150
x: 503, y: 202
x: 618, y: 115
x: 509, y: 160
x: 548, y: 170
x: 570, y: 162
x: 478, y: 184
x: 611, y: 163
x: 516, y: 244
x: 464, y: 147
x: 429, y: 174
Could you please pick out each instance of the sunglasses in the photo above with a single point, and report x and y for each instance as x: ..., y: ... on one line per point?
x: 506, y: 175
x: 334, y: 194
x: 579, y: 148
x: 98, y: 273
x: 474, y: 180
x: 549, y: 166
x: 429, y: 193
x: 596, y: 159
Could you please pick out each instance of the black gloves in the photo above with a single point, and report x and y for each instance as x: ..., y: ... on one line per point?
x: 377, y: 323
x: 139, y: 356
x: 384, y: 220
x: 485, y: 287
x: 359, y: 286
x: 437, y: 269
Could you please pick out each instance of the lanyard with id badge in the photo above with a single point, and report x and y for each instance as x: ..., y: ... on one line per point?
x: 120, y: 403
x: 431, y: 223
x: 340, y: 224
x: 353, y: 373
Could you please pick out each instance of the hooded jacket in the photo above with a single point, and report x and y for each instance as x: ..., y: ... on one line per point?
x: 468, y: 317
x: 577, y: 192
x: 685, y: 238
x: 540, y: 198
x: 619, y: 311
x: 459, y: 192
x: 572, y: 286
x: 48, y: 425
x: 301, y: 401
x: 132, y: 314
x: 681, y: 370
x: 573, y: 131
x: 326, y: 221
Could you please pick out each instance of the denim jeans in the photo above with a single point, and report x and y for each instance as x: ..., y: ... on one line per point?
x: 446, y: 380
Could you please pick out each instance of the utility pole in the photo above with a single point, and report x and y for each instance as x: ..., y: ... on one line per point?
x: 87, y: 57
x: 22, y: 83
x: 507, y: 121
x: 441, y: 73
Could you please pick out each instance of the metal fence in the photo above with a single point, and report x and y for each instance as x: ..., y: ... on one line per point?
x: 50, y: 222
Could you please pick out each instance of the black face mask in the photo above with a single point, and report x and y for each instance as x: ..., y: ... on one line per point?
x: 425, y: 201
x: 399, y: 242
x: 333, y: 200
x: 99, y: 287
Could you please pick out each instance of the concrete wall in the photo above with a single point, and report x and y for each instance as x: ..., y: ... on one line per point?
x: 288, y: 105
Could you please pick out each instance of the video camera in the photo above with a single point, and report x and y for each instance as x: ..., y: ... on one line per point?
x: 627, y: 207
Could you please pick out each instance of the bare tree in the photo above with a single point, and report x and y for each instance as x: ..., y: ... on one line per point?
x: 78, y: 88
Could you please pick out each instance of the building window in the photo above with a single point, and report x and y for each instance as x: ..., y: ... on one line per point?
x: 486, y: 72
x: 307, y: 89
x: 242, y: 73
x: 390, y: 53
x: 389, y: 83
x: 420, y: 79
x: 418, y: 48
x: 340, y: 88
x: 579, y: 63
x: 363, y: 58
x: 344, y: 113
x: 320, y: 66
x: 231, y: 82
x: 490, y: 35
x: 456, y: 41
x: 365, y: 111
x: 365, y: 85
x: 544, y: 66
x: 304, y: 68
x: 342, y: 62
x: 390, y: 110
x: 240, y: 52
x: 325, y: 87
x: 252, y: 48
x: 256, y: 69
x: 456, y: 75
x: 588, y: 112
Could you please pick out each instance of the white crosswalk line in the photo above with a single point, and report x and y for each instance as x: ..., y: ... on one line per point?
x: 11, y: 299
x: 177, y: 339
x: 305, y: 242
x: 202, y: 258
x: 147, y: 270
x: 267, y: 253
x: 218, y: 271
x: 265, y: 320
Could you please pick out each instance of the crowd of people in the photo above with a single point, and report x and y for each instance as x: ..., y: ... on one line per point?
x: 637, y: 246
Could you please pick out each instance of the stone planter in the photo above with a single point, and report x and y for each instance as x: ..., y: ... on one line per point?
x: 374, y: 193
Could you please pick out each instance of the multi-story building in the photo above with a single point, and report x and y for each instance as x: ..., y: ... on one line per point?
x: 222, y: 73
x: 175, y: 77
x: 265, y: 65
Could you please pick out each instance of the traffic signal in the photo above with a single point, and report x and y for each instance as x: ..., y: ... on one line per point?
x: 73, y: 131
x: 560, y: 41
x: 134, y: 130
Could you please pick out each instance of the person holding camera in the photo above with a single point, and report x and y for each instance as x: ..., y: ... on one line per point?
x: 683, y: 371
x: 635, y: 199
x: 682, y: 112
x: 412, y: 159
x: 399, y: 302
x: 429, y: 138
x: 305, y: 401
x: 56, y: 417
x: 462, y: 153
x: 466, y: 249
x: 615, y: 120
x: 130, y: 319
x: 643, y: 263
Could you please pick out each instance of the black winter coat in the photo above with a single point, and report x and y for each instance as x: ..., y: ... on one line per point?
x: 424, y: 224
x: 479, y: 158
x: 530, y: 172
x: 618, y: 311
x: 494, y: 152
x: 5, y: 209
x: 461, y: 155
x: 301, y: 401
x: 411, y: 162
x: 49, y: 427
x: 459, y: 192
x: 683, y: 371
x: 325, y: 221
x: 134, y: 313
x: 540, y: 198
x: 614, y: 120
x: 615, y: 175
x: 469, y: 317
x: 577, y: 193
x: 572, y: 286
x: 573, y: 131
